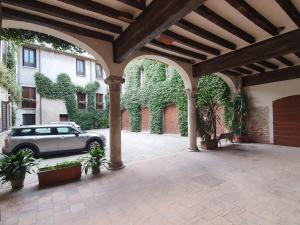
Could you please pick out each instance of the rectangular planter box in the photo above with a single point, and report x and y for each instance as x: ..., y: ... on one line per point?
x: 211, y: 144
x: 57, y: 176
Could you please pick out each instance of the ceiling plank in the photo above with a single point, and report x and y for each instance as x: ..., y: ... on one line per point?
x: 270, y: 48
x: 284, y: 60
x: 65, y: 14
x: 0, y: 16
x: 291, y: 10
x: 287, y: 73
x: 154, y: 20
x: 135, y: 3
x: 101, y: 9
x: 256, y: 68
x: 268, y: 64
x: 297, y: 54
x: 191, y: 43
x: 22, y: 16
x: 242, y: 70
x: 179, y: 50
x: 248, y: 11
x: 226, y: 25
x: 150, y: 50
x: 231, y: 73
x: 184, y: 24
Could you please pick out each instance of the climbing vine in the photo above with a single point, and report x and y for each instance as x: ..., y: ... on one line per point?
x: 66, y: 90
x: 20, y: 36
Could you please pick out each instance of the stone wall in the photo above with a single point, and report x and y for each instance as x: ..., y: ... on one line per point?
x: 258, y: 124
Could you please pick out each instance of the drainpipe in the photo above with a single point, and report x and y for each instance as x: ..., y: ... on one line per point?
x: 40, y: 95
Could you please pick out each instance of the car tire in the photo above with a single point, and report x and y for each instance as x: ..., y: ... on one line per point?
x: 92, y: 143
x: 29, y: 148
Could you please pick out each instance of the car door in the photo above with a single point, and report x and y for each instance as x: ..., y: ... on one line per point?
x: 68, y: 139
x: 45, y: 139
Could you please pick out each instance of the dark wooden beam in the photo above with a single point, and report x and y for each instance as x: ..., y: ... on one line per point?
x: 65, y: 14
x: 191, y: 43
x: 284, y: 60
x: 205, y: 34
x: 231, y: 73
x: 135, y: 3
x: 226, y: 25
x: 22, y: 16
x: 248, y: 11
x: 242, y: 70
x: 101, y: 9
x: 256, y: 68
x: 156, y: 52
x: 268, y: 64
x: 276, y: 46
x: 288, y: 73
x: 297, y: 54
x: 291, y: 10
x: 154, y: 20
x: 179, y: 50
x: 0, y: 18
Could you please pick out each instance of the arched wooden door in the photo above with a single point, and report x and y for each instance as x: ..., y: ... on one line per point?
x: 145, y: 124
x: 125, y: 120
x: 286, y: 121
x: 171, y: 120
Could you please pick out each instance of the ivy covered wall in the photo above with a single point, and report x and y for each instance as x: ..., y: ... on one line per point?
x: 156, y: 91
x: 66, y: 90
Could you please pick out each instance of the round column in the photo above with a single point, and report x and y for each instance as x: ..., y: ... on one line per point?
x: 192, y: 125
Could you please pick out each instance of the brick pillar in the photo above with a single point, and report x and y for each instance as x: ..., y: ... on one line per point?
x: 114, y: 83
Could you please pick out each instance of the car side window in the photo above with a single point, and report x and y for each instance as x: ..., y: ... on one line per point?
x: 63, y: 130
x: 25, y: 132
x: 43, y: 131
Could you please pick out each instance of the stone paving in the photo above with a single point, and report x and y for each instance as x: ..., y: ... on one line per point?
x: 248, y: 184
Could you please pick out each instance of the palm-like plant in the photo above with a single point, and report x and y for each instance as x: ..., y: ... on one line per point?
x: 94, y: 160
x: 13, y: 168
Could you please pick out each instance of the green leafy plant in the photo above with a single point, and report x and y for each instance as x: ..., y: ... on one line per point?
x: 94, y: 160
x: 61, y: 165
x: 239, y: 112
x: 13, y: 168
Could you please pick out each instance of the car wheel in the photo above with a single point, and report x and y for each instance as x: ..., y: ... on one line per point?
x: 92, y: 144
x: 30, y: 149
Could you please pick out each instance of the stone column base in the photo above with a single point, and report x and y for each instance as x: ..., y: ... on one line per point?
x: 116, y: 166
x: 196, y: 149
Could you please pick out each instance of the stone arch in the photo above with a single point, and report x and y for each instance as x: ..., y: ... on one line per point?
x: 61, y: 35
x: 232, y: 82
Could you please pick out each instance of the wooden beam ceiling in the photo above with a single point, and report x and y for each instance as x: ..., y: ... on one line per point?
x: 248, y: 11
x: 65, y: 14
x: 272, y: 76
x: 135, y: 3
x: 101, y: 9
x: 231, y: 73
x: 284, y: 60
x: 273, y: 47
x: 226, y: 25
x: 22, y: 16
x: 191, y: 43
x: 205, y: 34
x: 297, y: 54
x: 268, y: 64
x: 291, y: 10
x: 0, y: 16
x: 154, y: 20
x: 150, y: 50
x: 256, y: 68
x: 242, y: 70
x: 179, y: 50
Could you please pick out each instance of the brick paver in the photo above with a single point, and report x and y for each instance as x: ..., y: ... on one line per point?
x: 240, y: 185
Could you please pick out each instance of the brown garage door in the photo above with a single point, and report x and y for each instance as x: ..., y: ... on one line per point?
x: 286, y: 121
x: 171, y: 120
x: 125, y: 120
x: 145, y: 119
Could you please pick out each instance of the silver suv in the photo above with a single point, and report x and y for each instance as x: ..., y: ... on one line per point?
x: 53, y: 138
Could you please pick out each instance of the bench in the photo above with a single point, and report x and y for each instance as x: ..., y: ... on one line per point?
x: 227, y: 136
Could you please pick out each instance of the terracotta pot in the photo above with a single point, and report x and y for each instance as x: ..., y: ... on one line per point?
x: 241, y: 139
x: 17, y: 184
x: 57, y: 176
x: 211, y: 144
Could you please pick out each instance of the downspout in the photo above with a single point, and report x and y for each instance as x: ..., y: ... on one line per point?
x: 40, y: 95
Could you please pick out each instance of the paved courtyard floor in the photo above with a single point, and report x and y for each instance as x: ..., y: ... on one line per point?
x: 250, y: 184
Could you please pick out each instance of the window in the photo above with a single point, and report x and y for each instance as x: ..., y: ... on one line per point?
x: 63, y: 130
x: 99, y: 71
x: 29, y: 57
x: 28, y: 119
x: 81, y: 100
x: 25, y: 132
x: 80, y: 67
x: 169, y: 72
x: 28, y: 97
x: 63, y: 117
x: 99, y: 101
x: 43, y: 131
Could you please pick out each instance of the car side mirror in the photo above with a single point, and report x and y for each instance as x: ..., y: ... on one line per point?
x: 76, y: 133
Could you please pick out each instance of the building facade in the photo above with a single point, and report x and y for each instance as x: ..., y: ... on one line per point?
x: 82, y: 69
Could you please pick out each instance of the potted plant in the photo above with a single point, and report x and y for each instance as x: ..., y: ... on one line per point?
x: 94, y: 160
x: 59, y: 173
x: 13, y: 168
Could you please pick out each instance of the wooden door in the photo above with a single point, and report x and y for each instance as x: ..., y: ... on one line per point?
x: 171, y: 120
x: 286, y: 121
x: 125, y: 120
x: 145, y: 124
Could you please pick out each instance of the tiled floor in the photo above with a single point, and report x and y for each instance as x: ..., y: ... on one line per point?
x: 241, y: 185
